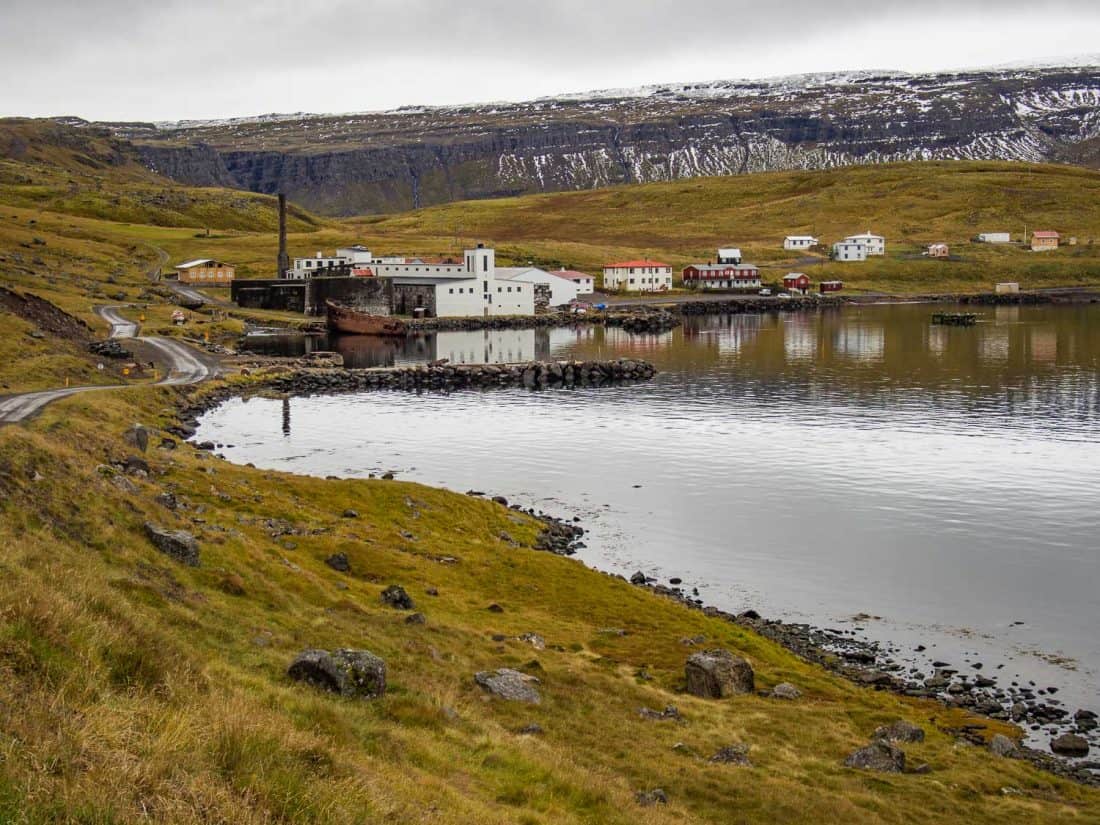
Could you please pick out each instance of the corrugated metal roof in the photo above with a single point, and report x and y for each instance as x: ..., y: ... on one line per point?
x: 199, y: 261
x: 626, y: 264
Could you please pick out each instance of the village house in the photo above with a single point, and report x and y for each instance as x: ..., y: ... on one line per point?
x: 559, y: 291
x: 797, y: 242
x: 1043, y: 240
x: 831, y: 286
x: 938, y: 250
x: 205, y: 271
x: 797, y: 283
x: 721, y: 276
x: 876, y: 244
x: 638, y: 276
x: 586, y: 284
x: 849, y: 251
x: 729, y: 255
x: 994, y: 237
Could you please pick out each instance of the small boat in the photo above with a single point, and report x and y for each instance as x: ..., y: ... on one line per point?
x: 955, y: 319
x: 353, y: 322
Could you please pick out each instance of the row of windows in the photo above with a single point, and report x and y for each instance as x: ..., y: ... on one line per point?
x: 208, y: 275
x: 653, y: 280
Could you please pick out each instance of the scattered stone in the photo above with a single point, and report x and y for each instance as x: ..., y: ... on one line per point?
x: 922, y: 769
x: 387, y: 476
x: 395, y: 596
x: 670, y: 712
x: 432, y: 591
x: 167, y: 500
x: 509, y: 684
x: 1002, y: 745
x: 339, y: 562
x: 351, y: 673
x: 495, y: 608
x: 733, y: 755
x: 648, y: 799
x: 638, y: 578
x: 691, y: 641
x: 716, y: 674
x: 878, y: 756
x: 124, y: 484
x: 415, y: 618
x: 1070, y: 744
x: 533, y: 729
x: 501, y: 500
x: 349, y: 514
x: 137, y: 436
x: 899, y: 731
x: 534, y: 639
x: 179, y: 544
x: 135, y: 465
x: 785, y: 690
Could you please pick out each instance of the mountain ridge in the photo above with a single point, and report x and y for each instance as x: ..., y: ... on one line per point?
x: 391, y: 161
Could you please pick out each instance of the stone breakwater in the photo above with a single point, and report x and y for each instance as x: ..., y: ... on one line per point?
x: 642, y: 320
x: 737, y: 306
x: 425, y: 377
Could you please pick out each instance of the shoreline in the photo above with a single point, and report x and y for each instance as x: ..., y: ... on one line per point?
x: 861, y: 661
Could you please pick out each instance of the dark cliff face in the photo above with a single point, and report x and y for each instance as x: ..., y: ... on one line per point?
x: 383, y: 162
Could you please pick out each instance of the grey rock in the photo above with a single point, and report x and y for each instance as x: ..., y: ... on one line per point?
x: 878, y: 756
x: 899, y: 731
x: 1070, y: 744
x: 716, y: 674
x: 534, y: 639
x: 638, y: 578
x: 339, y: 562
x: 648, y: 799
x: 350, y: 514
x: 133, y: 465
x: 733, y: 755
x: 533, y: 729
x: 178, y: 544
x: 785, y: 690
x: 1002, y: 745
x: 509, y: 684
x: 416, y: 618
x: 137, y: 437
x: 352, y: 673
x: 670, y: 712
x: 395, y: 596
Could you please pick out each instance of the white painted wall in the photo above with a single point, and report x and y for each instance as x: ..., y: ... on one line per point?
x: 638, y: 278
x: 562, y: 290
x: 849, y: 251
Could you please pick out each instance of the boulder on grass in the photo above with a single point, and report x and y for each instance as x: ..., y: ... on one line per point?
x: 509, y: 684
x: 785, y: 690
x: 899, y: 731
x: 395, y: 596
x: 715, y: 674
x: 179, y: 544
x: 357, y: 674
x: 1002, y: 745
x: 878, y: 756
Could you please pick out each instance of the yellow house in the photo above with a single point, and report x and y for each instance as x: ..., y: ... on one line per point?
x: 205, y: 271
x: 1044, y: 240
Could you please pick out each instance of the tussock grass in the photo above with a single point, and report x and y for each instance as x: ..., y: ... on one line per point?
x: 135, y: 689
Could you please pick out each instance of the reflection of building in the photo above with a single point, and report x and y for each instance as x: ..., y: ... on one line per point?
x: 993, y: 344
x: 626, y: 342
x: 937, y: 339
x: 863, y: 342
x: 1044, y: 345
x: 1006, y: 314
x: 800, y: 337
x: 737, y: 332
x: 486, y: 346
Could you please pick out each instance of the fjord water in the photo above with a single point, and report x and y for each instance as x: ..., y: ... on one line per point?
x: 943, y: 481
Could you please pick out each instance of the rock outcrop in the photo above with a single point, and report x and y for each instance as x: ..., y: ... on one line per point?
x: 357, y: 674
x: 509, y: 684
x: 716, y: 674
x: 178, y: 544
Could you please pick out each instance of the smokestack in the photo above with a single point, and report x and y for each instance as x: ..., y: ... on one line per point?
x: 284, y: 260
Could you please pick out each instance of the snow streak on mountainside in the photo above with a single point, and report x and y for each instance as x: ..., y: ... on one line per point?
x: 385, y: 161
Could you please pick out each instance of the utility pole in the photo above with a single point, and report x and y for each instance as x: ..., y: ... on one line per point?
x: 284, y: 261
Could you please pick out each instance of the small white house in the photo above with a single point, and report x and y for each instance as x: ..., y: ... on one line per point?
x: 994, y: 237
x: 562, y: 290
x: 729, y: 255
x: 638, y: 276
x: 876, y: 244
x: 850, y: 251
x: 797, y: 242
x: 586, y: 284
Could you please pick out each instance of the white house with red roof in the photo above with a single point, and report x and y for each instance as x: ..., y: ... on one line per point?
x: 641, y: 275
x: 586, y: 284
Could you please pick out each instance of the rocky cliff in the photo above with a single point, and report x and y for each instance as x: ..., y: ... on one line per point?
x: 378, y: 162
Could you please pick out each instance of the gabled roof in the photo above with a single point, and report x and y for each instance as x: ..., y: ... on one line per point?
x: 865, y: 236
x: 801, y: 238
x: 1045, y: 233
x: 200, y: 262
x: 624, y: 264
x: 572, y: 274
x: 722, y: 267
x: 794, y: 276
x: 729, y: 252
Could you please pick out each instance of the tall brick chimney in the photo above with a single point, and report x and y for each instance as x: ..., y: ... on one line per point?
x: 284, y: 259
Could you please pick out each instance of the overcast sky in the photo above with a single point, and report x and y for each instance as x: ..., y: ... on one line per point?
x: 175, y: 59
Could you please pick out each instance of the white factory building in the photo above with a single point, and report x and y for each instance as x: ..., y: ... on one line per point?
x: 470, y: 289
x: 562, y: 290
x: 346, y: 257
x: 586, y: 284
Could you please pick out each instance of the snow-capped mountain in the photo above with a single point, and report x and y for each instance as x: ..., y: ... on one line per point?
x: 416, y: 156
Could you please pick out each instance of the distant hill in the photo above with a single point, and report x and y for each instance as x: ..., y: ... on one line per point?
x: 393, y: 161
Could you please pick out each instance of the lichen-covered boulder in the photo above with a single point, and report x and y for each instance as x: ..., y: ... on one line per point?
x: 785, y: 690
x: 357, y: 674
x: 179, y: 544
x: 395, y: 596
x: 1002, y: 745
x: 509, y: 684
x: 878, y: 756
x: 899, y: 731
x: 715, y: 674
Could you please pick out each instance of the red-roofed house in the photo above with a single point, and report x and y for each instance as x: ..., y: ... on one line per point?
x: 1044, y: 240
x: 638, y: 276
x: 586, y: 284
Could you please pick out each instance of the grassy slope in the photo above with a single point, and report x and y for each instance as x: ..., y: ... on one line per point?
x: 134, y: 688
x: 912, y: 204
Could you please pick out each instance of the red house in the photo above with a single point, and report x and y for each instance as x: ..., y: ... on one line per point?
x: 831, y: 286
x: 722, y: 276
x: 796, y: 282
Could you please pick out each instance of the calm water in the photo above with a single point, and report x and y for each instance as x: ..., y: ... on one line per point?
x: 812, y: 467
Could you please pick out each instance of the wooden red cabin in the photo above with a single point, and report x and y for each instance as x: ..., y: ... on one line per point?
x: 796, y: 281
x: 831, y: 286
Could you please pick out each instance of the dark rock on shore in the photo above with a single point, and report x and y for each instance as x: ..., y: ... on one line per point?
x: 1070, y: 744
x: 351, y: 673
x: 716, y: 674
